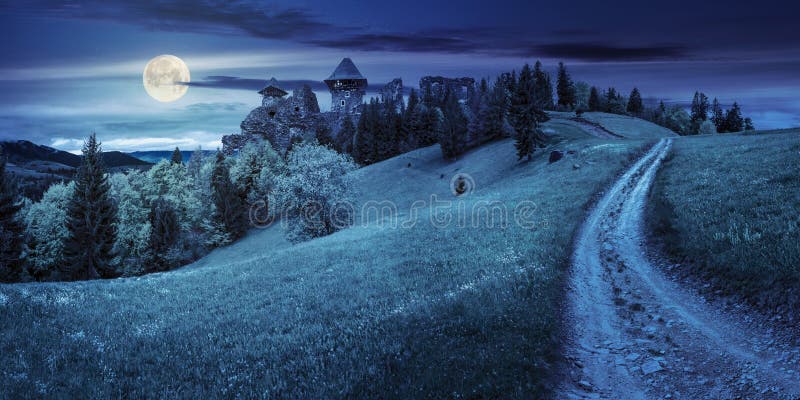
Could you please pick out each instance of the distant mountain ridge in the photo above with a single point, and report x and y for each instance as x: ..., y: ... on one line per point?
x: 35, y: 167
x: 22, y: 152
x: 157, y: 155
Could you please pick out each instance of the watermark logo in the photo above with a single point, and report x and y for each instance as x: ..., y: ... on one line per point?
x: 441, y: 213
x: 462, y: 184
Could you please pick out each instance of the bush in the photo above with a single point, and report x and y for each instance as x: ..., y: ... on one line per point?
x: 316, y: 193
x: 46, y: 231
x: 707, y: 127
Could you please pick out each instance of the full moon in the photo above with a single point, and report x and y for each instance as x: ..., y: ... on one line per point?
x: 161, y: 76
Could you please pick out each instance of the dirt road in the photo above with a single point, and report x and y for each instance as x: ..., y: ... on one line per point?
x: 636, y: 334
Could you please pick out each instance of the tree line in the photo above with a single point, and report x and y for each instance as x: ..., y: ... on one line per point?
x: 512, y: 105
x: 103, y: 225
x: 702, y: 118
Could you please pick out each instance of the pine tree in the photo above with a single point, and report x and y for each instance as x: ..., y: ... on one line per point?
x: 11, y: 228
x: 614, y: 102
x: 635, y: 105
x: 543, y: 88
x: 733, y: 119
x: 565, y: 87
x: 344, y: 140
x: 324, y: 137
x: 177, y: 157
x: 195, y: 164
x: 748, y: 124
x: 661, y: 114
x: 90, y: 219
x: 413, y: 100
x: 522, y: 116
x: 453, y: 137
x: 718, y: 116
x: 699, y: 110
x: 594, y: 100
x: 231, y: 212
x: 387, y: 131
x: 498, y: 107
x: 164, y: 234
x: 477, y: 127
x: 362, y: 143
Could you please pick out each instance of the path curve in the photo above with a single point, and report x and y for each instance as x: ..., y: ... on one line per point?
x: 635, y: 334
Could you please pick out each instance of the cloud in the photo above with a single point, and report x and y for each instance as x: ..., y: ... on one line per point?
x: 417, y: 43
x: 301, y: 25
x: 189, y: 140
x: 606, y: 52
x: 203, y: 16
x: 233, y: 82
x: 215, y: 107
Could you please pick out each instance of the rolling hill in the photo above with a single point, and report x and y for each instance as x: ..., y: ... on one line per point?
x: 392, y: 307
x: 459, y: 297
x: 729, y: 206
x: 36, y: 167
x: 22, y: 152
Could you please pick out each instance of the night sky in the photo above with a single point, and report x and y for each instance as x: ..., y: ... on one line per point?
x: 70, y: 68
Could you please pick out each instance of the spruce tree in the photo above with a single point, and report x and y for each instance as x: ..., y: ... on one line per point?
x: 90, y: 219
x: 478, y: 123
x: 497, y: 109
x: 344, y: 140
x: 733, y: 119
x: 324, y: 137
x: 748, y: 124
x: 164, y: 234
x: 635, y: 106
x: 453, y: 135
x: 718, y: 116
x: 195, y: 164
x: 387, y: 131
x: 594, y: 100
x: 362, y: 143
x: 614, y: 102
x: 661, y: 114
x: 177, y: 157
x: 429, y: 119
x: 699, y: 111
x: 565, y: 87
x: 522, y: 116
x: 11, y: 228
x: 230, y: 213
x: 543, y: 88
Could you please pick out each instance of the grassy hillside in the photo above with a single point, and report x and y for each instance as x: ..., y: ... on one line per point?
x: 731, y: 205
x: 431, y: 309
x: 629, y: 127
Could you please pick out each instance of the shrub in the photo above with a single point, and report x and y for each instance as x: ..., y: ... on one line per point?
x: 315, y: 195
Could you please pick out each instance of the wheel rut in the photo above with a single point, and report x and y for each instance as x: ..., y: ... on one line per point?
x: 635, y: 334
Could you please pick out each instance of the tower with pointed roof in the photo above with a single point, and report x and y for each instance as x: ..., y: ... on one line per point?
x: 348, y: 88
x: 272, y: 92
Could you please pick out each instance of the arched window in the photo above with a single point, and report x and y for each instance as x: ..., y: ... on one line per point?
x: 342, y: 103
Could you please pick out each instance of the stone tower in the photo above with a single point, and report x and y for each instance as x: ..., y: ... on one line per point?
x: 347, y: 87
x: 272, y: 93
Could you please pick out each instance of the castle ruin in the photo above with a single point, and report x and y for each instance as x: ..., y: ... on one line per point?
x: 347, y: 87
x: 282, y: 118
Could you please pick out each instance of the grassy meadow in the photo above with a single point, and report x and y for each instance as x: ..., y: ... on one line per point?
x: 730, y: 205
x: 431, y: 310
x: 627, y: 126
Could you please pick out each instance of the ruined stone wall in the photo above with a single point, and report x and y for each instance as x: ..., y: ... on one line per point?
x: 463, y: 88
x: 279, y: 120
